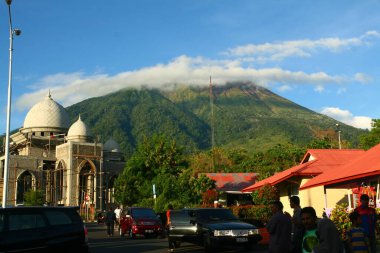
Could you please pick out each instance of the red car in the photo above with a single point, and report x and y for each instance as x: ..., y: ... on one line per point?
x: 140, y: 221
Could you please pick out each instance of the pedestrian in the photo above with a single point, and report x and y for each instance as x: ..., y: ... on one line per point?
x: 118, y: 215
x: 356, y: 238
x: 319, y: 236
x: 169, y: 209
x: 110, y: 221
x: 279, y: 228
x: 171, y: 243
x: 297, y: 227
x: 368, y: 217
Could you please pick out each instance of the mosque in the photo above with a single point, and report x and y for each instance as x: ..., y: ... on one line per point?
x: 61, y: 159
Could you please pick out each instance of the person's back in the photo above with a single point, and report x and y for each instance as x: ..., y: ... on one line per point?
x: 328, y: 237
x: 279, y: 228
x: 297, y: 227
x: 110, y: 216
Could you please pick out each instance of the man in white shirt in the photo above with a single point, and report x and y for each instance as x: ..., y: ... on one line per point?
x: 117, y: 214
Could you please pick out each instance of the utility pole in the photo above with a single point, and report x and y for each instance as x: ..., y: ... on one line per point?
x: 338, y: 130
x: 212, y: 126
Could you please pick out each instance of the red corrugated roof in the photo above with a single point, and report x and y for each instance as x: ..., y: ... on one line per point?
x: 232, y: 181
x: 315, y: 162
x: 365, y: 165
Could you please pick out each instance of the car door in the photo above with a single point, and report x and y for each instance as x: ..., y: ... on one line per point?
x: 183, y: 225
x: 25, y: 231
x: 66, y: 231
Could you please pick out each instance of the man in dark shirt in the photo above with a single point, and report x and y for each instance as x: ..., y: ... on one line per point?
x: 279, y: 228
x: 110, y: 221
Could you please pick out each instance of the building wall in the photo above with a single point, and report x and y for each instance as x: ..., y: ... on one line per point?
x: 314, y: 197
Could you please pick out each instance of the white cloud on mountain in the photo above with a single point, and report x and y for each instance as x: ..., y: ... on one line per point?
x: 71, y: 88
x: 75, y: 87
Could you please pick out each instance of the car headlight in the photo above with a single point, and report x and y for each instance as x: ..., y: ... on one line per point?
x: 223, y: 233
x: 253, y: 231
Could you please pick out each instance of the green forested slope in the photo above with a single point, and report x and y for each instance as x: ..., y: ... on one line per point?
x: 244, y: 116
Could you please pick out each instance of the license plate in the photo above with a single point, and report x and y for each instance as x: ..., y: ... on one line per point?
x: 148, y: 231
x: 241, y: 239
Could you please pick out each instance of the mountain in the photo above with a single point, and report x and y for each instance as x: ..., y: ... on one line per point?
x: 245, y: 115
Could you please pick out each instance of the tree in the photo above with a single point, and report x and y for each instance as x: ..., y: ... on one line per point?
x: 34, y: 198
x: 324, y: 143
x: 372, y: 138
x: 156, y: 161
x: 276, y: 159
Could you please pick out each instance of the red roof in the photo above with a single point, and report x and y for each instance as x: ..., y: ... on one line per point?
x: 232, y: 181
x: 365, y: 165
x: 315, y: 162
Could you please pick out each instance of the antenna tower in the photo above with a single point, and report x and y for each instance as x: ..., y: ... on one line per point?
x: 212, y: 126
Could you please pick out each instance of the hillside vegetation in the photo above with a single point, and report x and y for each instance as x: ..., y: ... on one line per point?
x: 245, y: 116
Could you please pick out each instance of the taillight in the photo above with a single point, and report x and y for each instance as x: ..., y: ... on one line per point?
x: 85, y: 233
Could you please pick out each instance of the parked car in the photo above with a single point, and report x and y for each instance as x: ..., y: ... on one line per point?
x: 42, y: 229
x: 140, y: 221
x: 212, y: 228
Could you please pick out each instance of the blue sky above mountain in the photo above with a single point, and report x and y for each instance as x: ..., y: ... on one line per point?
x: 319, y: 54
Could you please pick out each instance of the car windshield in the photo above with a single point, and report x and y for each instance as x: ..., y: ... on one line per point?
x: 216, y: 215
x: 143, y: 213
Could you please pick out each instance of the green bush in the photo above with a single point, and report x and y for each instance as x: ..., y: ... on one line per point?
x: 265, y: 195
x: 34, y: 198
x: 260, y: 213
x: 340, y: 217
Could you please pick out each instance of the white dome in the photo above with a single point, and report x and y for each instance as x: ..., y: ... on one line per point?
x: 111, y: 145
x: 47, y: 114
x: 79, y: 131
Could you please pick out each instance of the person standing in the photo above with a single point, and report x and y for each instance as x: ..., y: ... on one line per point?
x: 279, y: 228
x: 171, y: 243
x: 110, y: 221
x: 297, y: 227
x: 368, y: 217
x: 357, y: 239
x: 321, y: 236
x: 118, y: 214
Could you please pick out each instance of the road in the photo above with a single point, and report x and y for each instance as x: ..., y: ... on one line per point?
x: 100, y: 243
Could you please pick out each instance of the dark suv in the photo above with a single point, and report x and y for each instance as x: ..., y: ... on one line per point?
x: 42, y: 229
x: 211, y: 228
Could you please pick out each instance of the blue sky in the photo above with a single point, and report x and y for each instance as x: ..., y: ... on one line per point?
x: 321, y: 54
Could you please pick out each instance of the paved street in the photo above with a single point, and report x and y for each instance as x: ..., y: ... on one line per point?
x: 100, y: 243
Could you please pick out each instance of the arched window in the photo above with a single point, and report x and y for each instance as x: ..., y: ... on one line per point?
x: 24, y: 184
x: 86, y: 184
x: 59, y: 184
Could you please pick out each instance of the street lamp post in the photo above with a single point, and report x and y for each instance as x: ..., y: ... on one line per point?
x: 12, y: 32
x: 338, y: 129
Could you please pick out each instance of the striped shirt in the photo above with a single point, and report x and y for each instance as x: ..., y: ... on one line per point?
x: 358, y: 240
